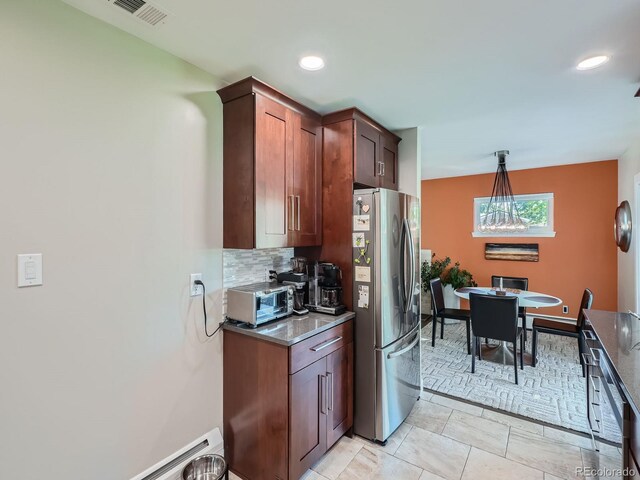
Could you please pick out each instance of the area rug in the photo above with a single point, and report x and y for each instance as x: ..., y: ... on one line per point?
x: 553, y: 392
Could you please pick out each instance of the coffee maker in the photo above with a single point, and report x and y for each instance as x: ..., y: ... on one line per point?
x: 298, y: 278
x: 325, y: 289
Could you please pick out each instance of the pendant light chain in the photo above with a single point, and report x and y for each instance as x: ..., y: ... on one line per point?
x: 502, y: 213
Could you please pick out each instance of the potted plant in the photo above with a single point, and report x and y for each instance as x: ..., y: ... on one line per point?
x: 452, y: 278
x: 458, y: 277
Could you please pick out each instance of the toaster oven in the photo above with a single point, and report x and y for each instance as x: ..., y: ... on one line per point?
x: 259, y: 303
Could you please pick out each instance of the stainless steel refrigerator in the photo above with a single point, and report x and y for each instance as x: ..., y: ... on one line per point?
x: 386, y: 299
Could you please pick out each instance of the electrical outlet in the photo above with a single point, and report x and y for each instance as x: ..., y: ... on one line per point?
x: 195, y: 290
x: 565, y: 308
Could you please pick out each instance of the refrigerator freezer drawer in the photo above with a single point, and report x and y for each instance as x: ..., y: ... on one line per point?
x: 397, y: 383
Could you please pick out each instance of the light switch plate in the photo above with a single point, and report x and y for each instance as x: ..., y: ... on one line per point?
x: 29, y: 269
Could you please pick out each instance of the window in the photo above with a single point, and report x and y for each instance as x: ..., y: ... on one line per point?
x: 536, y: 210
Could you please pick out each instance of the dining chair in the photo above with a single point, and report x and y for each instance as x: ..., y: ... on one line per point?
x: 554, y: 327
x: 496, y: 318
x: 521, y: 283
x: 440, y: 312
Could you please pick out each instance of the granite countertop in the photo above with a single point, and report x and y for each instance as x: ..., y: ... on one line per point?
x: 293, y: 329
x: 619, y: 334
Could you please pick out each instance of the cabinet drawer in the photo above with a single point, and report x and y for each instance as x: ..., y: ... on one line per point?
x: 319, y: 346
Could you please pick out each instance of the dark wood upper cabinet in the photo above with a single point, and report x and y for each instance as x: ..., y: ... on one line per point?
x: 355, y: 149
x: 306, y: 183
x: 272, y: 168
x: 375, y: 149
x: 389, y: 154
x: 367, y: 165
x: 273, y: 154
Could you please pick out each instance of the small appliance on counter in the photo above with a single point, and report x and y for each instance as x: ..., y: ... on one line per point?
x: 325, y: 289
x: 259, y: 303
x: 298, y: 279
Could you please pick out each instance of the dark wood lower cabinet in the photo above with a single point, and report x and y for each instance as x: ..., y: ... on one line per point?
x: 320, y: 408
x: 307, y: 417
x: 284, y: 407
x: 340, y: 393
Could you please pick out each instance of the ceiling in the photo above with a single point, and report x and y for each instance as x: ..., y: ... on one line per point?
x: 475, y: 76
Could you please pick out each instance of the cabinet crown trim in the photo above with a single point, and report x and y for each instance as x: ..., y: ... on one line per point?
x: 251, y: 85
x: 354, y: 113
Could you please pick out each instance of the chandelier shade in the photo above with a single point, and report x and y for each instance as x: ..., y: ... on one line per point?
x: 501, y: 215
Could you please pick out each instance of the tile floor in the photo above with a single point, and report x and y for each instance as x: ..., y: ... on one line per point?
x: 448, y: 439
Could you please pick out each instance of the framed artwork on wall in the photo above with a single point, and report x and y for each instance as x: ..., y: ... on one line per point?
x: 518, y: 252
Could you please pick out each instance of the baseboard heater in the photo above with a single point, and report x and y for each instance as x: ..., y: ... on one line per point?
x: 171, y: 467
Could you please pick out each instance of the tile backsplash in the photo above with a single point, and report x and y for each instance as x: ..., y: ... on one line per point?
x: 242, y: 267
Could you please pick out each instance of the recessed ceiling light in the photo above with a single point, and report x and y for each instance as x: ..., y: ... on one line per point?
x: 311, y: 62
x: 592, y: 62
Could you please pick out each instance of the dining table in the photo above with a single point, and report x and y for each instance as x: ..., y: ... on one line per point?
x: 502, y: 352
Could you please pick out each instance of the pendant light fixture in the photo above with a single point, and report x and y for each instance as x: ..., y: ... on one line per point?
x: 502, y: 212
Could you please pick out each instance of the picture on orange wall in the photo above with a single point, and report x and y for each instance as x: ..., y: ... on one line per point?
x: 518, y: 252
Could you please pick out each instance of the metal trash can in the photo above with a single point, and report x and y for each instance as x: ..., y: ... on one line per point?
x: 206, y: 467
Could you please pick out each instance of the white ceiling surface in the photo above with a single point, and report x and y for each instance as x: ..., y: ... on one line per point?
x: 476, y: 76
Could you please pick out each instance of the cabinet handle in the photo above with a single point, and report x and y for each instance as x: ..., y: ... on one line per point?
x: 298, y: 209
x: 330, y: 390
x: 383, y: 168
x: 323, y: 390
x: 323, y: 345
x: 588, y: 360
x: 291, y: 209
x: 379, y: 169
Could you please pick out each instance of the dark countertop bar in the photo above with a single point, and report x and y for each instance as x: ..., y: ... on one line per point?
x: 619, y: 334
x: 293, y: 329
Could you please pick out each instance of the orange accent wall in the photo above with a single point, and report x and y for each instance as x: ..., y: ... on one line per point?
x: 582, y: 254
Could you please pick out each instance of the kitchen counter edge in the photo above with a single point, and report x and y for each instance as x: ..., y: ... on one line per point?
x: 293, y: 329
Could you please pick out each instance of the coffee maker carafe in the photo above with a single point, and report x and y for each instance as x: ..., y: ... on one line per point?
x: 325, y: 289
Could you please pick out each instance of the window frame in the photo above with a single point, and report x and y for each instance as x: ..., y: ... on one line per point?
x: 547, y: 231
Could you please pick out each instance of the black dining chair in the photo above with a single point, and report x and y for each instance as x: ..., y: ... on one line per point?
x: 496, y: 318
x: 440, y: 312
x: 554, y: 327
x: 521, y: 283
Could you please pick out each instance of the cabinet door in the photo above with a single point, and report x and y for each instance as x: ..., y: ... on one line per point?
x: 340, y: 393
x: 306, y: 183
x: 367, y: 161
x: 389, y: 148
x: 274, y: 151
x: 307, y: 417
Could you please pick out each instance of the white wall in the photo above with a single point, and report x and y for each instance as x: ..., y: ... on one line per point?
x: 111, y: 166
x: 410, y: 161
x: 628, y: 167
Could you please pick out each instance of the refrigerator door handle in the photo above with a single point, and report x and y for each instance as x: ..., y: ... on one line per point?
x: 405, y: 349
x: 412, y: 253
x: 403, y: 262
x: 407, y: 295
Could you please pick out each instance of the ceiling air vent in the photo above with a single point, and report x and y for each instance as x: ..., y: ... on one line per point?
x: 143, y: 11
x: 131, y: 6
